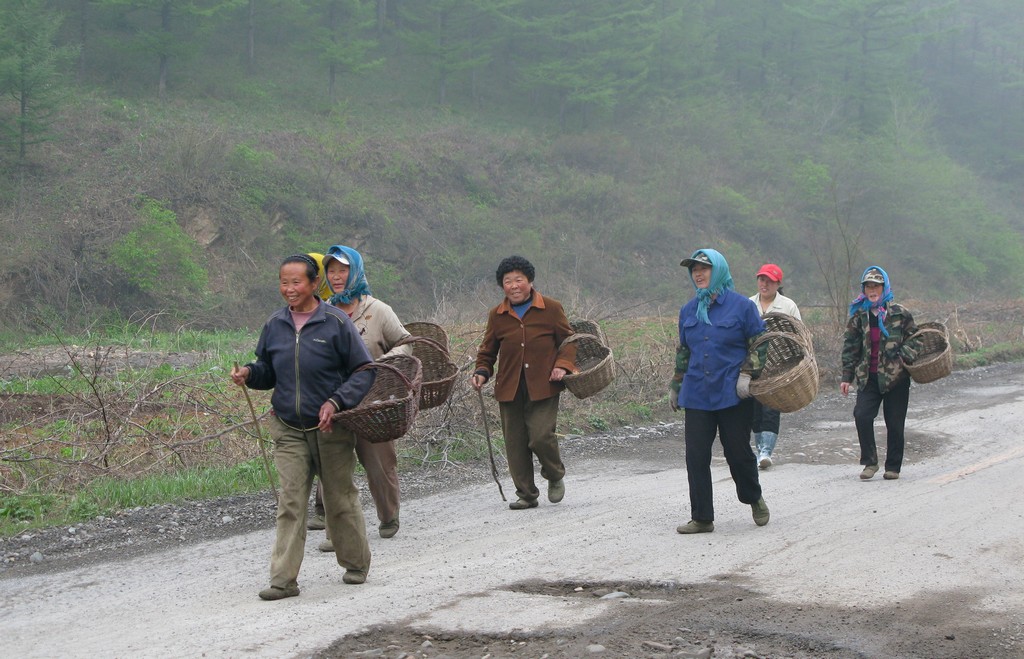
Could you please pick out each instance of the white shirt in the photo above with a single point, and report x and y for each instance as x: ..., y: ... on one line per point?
x: 780, y: 304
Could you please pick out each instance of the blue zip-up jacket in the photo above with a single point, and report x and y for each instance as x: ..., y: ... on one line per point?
x: 306, y: 368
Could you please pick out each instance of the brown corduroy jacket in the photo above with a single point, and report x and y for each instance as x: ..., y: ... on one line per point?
x: 527, y: 346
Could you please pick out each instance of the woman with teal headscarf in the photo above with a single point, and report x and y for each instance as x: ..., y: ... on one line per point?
x: 875, y: 352
x: 380, y: 329
x: 711, y: 383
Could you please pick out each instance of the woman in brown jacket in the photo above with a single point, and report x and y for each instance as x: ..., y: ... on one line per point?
x: 525, y: 333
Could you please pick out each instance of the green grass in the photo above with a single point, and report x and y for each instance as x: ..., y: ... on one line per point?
x: 105, y: 496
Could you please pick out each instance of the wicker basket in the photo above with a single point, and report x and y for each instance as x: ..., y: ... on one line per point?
x: 935, y: 356
x: 389, y: 408
x: 430, y: 331
x: 789, y: 380
x: 781, y: 322
x: 439, y: 372
x: 584, y: 326
x: 595, y: 363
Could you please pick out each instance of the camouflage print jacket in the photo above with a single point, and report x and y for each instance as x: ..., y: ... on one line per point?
x: 893, y: 351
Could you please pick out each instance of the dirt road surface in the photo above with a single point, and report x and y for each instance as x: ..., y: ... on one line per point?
x: 925, y: 566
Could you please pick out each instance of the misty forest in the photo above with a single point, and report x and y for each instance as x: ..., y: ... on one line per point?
x: 158, y: 158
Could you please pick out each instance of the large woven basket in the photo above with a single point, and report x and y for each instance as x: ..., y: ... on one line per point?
x: 781, y: 322
x: 584, y: 326
x: 595, y: 363
x: 439, y: 372
x: 789, y: 380
x: 429, y: 330
x: 388, y: 410
x: 934, y: 356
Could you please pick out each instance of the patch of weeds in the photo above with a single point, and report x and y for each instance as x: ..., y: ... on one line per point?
x: 597, y: 423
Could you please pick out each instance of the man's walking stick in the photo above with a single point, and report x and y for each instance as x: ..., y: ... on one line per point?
x: 259, y: 436
x: 490, y: 449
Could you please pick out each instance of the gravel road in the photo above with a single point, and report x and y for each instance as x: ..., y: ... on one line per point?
x: 925, y: 566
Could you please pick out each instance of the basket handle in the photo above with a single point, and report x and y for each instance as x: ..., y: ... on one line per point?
x: 405, y: 379
x: 412, y: 338
x: 577, y: 336
x: 766, y: 336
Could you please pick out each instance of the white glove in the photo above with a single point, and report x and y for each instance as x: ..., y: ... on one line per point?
x: 743, y: 386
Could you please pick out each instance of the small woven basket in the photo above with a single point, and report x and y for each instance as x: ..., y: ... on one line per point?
x: 439, y: 371
x: 935, y: 356
x: 781, y: 322
x: 431, y: 331
x: 388, y: 410
x: 595, y: 363
x: 789, y: 380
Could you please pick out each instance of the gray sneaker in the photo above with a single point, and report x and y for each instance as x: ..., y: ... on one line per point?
x: 760, y: 512
x: 891, y: 475
x: 316, y: 522
x: 354, y: 576
x: 326, y: 545
x: 556, y: 490
x: 869, y: 472
x: 695, y: 526
x: 523, y: 504
x: 275, y: 593
x: 388, y: 529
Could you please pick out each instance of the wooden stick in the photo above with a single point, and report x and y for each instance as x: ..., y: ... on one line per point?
x: 259, y: 435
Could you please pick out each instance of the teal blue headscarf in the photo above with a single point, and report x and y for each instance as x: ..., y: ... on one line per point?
x: 721, y: 280
x: 861, y: 302
x: 356, y: 286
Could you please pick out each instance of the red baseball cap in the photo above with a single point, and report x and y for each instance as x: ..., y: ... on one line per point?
x: 771, y: 271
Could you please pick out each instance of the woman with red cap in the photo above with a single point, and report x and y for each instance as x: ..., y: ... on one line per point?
x: 769, y: 299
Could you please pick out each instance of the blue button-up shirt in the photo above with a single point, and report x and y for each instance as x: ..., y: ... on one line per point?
x: 717, y: 351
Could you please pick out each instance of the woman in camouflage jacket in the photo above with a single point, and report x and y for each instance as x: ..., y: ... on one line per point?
x: 875, y: 350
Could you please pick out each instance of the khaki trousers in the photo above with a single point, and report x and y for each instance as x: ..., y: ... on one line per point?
x: 380, y: 460
x: 298, y: 455
x: 529, y: 429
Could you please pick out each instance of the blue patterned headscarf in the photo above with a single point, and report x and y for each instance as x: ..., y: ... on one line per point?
x: 721, y: 280
x: 356, y: 286
x: 862, y: 301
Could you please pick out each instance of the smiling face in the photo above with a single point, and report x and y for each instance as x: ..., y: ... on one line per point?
x: 297, y: 288
x: 337, y: 275
x: 517, y: 287
x: 873, y: 291
x: 701, y: 275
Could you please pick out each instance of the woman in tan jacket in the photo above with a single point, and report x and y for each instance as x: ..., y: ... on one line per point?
x: 525, y: 334
x: 380, y: 330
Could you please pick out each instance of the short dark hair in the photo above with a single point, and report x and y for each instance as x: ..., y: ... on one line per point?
x: 513, y: 263
x: 312, y: 270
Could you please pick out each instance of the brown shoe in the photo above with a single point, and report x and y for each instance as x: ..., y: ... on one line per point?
x: 523, y: 504
x: 354, y: 576
x: 326, y: 545
x: 275, y: 593
x: 869, y: 472
x: 316, y: 523
x: 891, y: 475
x: 695, y: 526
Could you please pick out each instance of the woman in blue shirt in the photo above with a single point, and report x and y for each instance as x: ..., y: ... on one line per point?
x: 711, y: 383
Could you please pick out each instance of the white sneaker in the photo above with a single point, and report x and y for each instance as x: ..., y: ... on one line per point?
x: 765, y: 462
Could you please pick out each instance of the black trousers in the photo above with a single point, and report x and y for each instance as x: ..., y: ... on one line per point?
x: 732, y: 425
x: 894, y: 405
